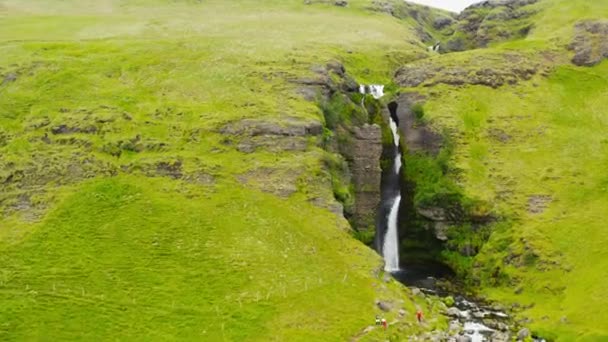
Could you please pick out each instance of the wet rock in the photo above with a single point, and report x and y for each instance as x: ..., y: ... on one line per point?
x: 463, y: 338
x: 455, y: 326
x: 523, y: 334
x: 501, y: 336
x: 478, y: 314
x: 454, y: 312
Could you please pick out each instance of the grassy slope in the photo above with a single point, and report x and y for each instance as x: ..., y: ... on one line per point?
x: 557, y: 127
x: 131, y: 256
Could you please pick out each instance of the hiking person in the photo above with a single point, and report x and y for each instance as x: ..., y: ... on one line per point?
x: 384, y: 324
x: 419, y: 316
x: 378, y: 320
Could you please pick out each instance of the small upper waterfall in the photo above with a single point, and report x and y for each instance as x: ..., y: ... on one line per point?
x: 390, y: 248
x: 376, y: 90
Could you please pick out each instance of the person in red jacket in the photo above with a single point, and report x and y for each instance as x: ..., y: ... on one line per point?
x: 384, y: 324
x: 419, y: 316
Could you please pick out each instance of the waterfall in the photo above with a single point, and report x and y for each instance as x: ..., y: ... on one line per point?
x: 390, y: 248
x: 377, y: 90
x: 391, y: 239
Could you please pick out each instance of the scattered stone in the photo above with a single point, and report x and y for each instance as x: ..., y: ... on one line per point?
x: 538, y: 203
x: 454, y: 312
x: 402, y: 312
x: 384, y: 306
x: 463, y: 338
x: 65, y: 129
x: 416, y: 291
x: 10, y: 77
x: 171, y: 169
x: 500, y: 336
x: 341, y: 3
x: 455, y: 326
x: 523, y: 334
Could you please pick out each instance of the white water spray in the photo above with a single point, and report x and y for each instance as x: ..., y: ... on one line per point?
x: 391, y: 239
x: 390, y: 249
x: 377, y: 90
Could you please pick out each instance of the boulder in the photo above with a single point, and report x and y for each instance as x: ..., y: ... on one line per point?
x: 454, y: 312
x: 500, y: 336
x: 463, y: 338
x: 341, y: 3
x: 384, y: 306
x: 442, y: 22
x: 523, y: 334
x: 590, y: 43
x: 455, y: 326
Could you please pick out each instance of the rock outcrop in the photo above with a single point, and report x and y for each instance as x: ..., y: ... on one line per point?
x: 290, y: 134
x: 590, y: 44
x: 493, y: 70
x: 354, y: 138
x: 365, y: 168
x: 489, y: 22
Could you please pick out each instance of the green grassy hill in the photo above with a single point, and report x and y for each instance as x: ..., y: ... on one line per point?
x: 133, y: 205
x: 127, y: 214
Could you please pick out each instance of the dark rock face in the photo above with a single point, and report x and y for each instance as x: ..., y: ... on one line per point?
x: 492, y: 71
x: 590, y: 44
x: 366, y: 173
x: 418, y: 136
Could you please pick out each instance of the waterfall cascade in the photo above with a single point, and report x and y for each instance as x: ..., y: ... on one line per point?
x: 390, y: 248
